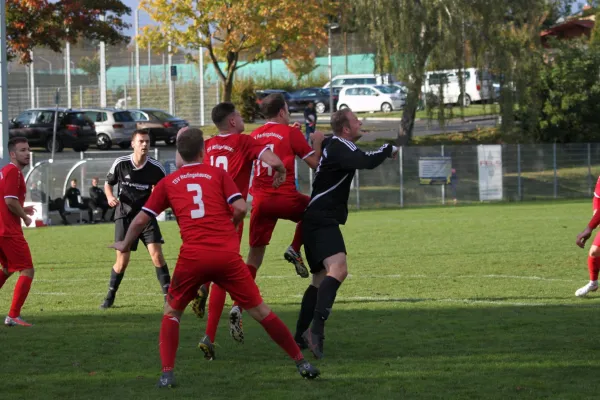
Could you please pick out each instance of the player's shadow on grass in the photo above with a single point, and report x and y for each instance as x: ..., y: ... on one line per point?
x: 423, y: 351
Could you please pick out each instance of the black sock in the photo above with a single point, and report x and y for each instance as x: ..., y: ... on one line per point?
x: 307, y: 311
x: 325, y: 299
x: 164, y: 278
x: 113, y: 284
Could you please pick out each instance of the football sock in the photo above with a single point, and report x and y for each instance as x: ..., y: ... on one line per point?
x: 164, y: 278
x: 253, y: 272
x: 168, y: 342
x: 297, y: 241
x: 593, y: 267
x: 325, y: 298
x: 216, y: 303
x: 282, y: 336
x: 114, y: 283
x: 20, y: 295
x: 3, y: 278
x: 307, y: 311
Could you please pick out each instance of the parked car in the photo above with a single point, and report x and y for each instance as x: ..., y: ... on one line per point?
x: 73, y: 128
x: 370, y: 98
x: 319, y: 96
x: 112, y: 126
x: 261, y: 94
x: 159, y: 124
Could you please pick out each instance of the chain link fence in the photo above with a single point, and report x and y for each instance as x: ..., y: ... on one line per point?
x: 528, y: 173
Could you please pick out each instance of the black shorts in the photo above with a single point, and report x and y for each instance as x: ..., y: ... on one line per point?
x: 320, y: 242
x: 150, y: 234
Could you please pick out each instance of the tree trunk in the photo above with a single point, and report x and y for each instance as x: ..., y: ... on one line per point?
x: 407, y: 124
x: 228, y: 88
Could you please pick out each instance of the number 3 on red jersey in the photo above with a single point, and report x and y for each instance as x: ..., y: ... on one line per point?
x: 266, y: 166
x: 195, y: 188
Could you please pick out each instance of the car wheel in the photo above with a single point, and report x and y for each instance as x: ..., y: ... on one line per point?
x: 58, y: 147
x: 467, y: 101
x: 83, y: 147
x: 386, y: 107
x: 343, y: 106
x: 320, y: 107
x: 125, y: 145
x: 103, y: 142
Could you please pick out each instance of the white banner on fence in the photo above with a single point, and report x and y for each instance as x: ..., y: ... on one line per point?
x: 489, y: 158
x: 435, y: 170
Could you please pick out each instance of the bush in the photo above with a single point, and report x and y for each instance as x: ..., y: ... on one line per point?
x: 248, y: 109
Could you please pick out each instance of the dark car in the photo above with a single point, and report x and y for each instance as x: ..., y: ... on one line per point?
x: 319, y: 96
x: 159, y: 124
x: 73, y: 128
x: 261, y: 94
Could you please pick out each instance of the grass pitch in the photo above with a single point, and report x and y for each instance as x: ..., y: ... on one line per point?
x: 441, y: 303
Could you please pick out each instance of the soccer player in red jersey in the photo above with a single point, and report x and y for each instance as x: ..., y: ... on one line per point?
x: 235, y: 153
x: 202, y: 198
x: 14, y: 250
x: 594, y: 254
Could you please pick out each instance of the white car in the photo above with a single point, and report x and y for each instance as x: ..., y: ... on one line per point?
x: 371, y: 98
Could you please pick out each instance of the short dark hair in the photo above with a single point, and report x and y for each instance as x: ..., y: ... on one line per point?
x: 189, y: 143
x: 139, y: 132
x: 339, y: 120
x: 272, y: 105
x: 13, y: 142
x: 220, y: 113
x: 73, y: 180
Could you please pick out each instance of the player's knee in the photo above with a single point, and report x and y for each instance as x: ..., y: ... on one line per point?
x: 595, y: 251
x: 158, y: 259
x: 339, y: 271
x: 259, y: 312
x: 171, y: 312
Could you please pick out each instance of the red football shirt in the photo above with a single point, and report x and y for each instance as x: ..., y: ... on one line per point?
x: 12, y: 184
x: 596, y: 201
x: 287, y: 143
x: 234, y: 153
x: 199, y: 196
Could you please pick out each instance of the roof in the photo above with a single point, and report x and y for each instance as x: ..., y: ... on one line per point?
x: 557, y: 29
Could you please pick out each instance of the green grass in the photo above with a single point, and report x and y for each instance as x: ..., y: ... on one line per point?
x: 442, y: 303
x: 474, y: 110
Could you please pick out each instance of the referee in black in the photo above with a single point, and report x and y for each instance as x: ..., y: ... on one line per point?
x: 136, y: 174
x: 328, y: 209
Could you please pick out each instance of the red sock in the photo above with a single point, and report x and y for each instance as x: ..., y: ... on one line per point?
x: 297, y: 241
x: 20, y: 295
x: 593, y: 267
x: 253, y: 272
x: 282, y: 336
x: 216, y: 303
x: 168, y: 342
x: 3, y: 278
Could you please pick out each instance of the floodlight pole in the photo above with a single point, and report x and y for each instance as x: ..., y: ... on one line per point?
x: 4, y: 157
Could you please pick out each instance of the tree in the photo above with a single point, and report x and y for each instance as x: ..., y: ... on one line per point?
x: 411, y: 34
x: 91, y: 66
x: 301, y: 67
x: 41, y: 23
x: 238, y: 32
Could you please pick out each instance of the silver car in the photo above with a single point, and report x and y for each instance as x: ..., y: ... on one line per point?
x: 112, y: 127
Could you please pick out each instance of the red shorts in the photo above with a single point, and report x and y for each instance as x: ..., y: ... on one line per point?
x: 266, y: 210
x: 597, y: 240
x: 14, y: 254
x: 226, y: 269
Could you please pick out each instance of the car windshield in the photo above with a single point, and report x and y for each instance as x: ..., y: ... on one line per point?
x: 78, y: 118
x: 386, y: 89
x: 161, y: 115
x: 123, y: 116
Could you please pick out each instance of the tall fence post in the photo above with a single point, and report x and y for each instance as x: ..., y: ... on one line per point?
x: 589, y: 165
x: 37, y: 96
x: 519, y: 194
x: 310, y: 180
x: 444, y: 185
x: 555, y: 172
x: 80, y: 96
x: 401, y: 161
x: 156, y: 153
x: 125, y: 95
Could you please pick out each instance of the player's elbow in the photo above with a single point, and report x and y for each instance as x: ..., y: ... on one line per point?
x: 312, y: 161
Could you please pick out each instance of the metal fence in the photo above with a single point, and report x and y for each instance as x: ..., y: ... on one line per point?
x: 529, y: 172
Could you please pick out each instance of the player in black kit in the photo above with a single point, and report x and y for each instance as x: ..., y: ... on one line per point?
x: 328, y: 209
x: 136, y: 174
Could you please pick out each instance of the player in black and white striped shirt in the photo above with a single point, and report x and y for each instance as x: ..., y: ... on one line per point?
x: 328, y: 209
x: 136, y: 175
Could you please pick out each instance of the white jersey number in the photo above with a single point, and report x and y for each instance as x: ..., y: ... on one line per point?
x: 199, y: 212
x: 266, y: 166
x: 221, y: 162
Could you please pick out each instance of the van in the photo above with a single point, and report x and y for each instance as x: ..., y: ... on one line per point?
x: 478, y: 86
x: 339, y: 81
